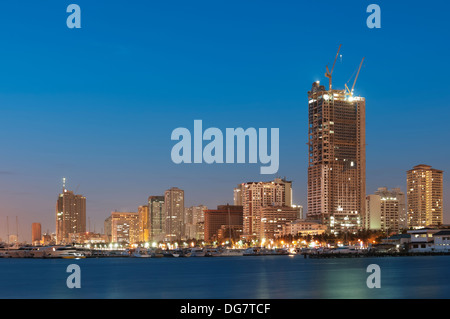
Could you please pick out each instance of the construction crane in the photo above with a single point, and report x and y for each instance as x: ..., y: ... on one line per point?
x: 349, y: 92
x: 329, y: 73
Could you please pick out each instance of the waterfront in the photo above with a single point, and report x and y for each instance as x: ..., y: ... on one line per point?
x: 271, y: 277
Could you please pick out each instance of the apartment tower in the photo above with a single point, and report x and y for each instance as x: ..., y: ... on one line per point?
x: 144, y: 223
x: 157, y: 218
x: 125, y: 227
x: 255, y: 195
x: 424, y: 196
x: 385, y: 210
x: 70, y: 215
x: 174, y: 206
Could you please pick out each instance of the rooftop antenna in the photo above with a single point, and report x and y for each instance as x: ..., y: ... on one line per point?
x: 64, y: 184
x: 329, y: 73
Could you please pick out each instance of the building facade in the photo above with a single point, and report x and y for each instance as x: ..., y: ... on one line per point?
x: 255, y: 195
x: 194, y: 222
x: 225, y: 221
x: 273, y: 218
x: 125, y: 228
x: 36, y: 234
x: 337, y: 159
x: 385, y: 210
x: 174, y: 207
x: 157, y: 218
x: 302, y: 227
x: 70, y: 215
x: 424, y: 196
x: 144, y: 223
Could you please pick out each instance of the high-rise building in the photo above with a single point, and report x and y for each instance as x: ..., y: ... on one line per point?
x: 174, y: 206
x: 337, y: 158
x: 157, y: 218
x: 385, y: 210
x: 254, y: 195
x: 424, y: 196
x: 228, y: 219
x: 70, y: 215
x: 125, y: 227
x: 108, y: 229
x: 372, y: 217
x: 273, y: 218
x: 36, y: 234
x: 285, y: 184
x: 194, y: 218
x: 144, y: 223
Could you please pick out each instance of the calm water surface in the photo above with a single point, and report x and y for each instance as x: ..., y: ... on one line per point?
x: 277, y: 277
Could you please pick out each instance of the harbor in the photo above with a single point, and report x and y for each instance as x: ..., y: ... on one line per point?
x: 72, y: 252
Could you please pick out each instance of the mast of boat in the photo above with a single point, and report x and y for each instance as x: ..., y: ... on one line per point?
x: 229, y: 224
x: 17, y: 231
x: 7, y: 229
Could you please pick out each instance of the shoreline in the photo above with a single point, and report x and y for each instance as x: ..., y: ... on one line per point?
x: 365, y: 255
x: 304, y: 255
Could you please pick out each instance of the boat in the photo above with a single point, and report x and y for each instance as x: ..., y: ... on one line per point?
x: 198, y: 252
x: 232, y: 252
x: 117, y: 253
x: 72, y: 255
x: 262, y: 251
x: 170, y: 253
x: 181, y: 252
x: 253, y: 251
x: 157, y: 253
x: 280, y: 251
x: 18, y: 252
x: 177, y: 253
x: 212, y: 252
x: 345, y: 250
x: 67, y: 252
x: 185, y: 252
x: 4, y: 253
x: 37, y: 252
x: 141, y: 253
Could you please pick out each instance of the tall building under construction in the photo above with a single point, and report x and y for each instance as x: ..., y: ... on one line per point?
x: 337, y: 157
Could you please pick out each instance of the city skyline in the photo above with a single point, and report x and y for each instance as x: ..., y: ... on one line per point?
x: 97, y: 127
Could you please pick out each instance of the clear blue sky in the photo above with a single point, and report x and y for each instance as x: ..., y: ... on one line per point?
x: 97, y: 105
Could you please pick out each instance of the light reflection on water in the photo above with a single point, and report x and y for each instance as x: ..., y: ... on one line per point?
x: 271, y: 277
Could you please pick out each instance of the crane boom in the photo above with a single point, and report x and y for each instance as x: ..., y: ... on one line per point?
x: 337, y: 54
x: 357, y: 74
x: 328, y: 74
